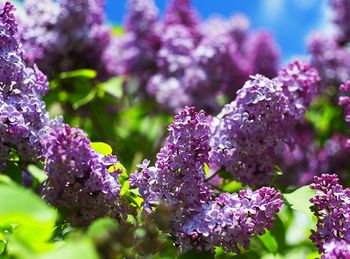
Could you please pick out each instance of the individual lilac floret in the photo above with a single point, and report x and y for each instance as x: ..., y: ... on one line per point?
x: 331, y: 206
x: 301, y: 85
x: 342, y: 18
x: 336, y: 250
x: 331, y: 60
x: 66, y: 35
x: 22, y: 112
x: 232, y: 219
x: 80, y: 180
x: 345, y: 100
x: 178, y: 175
x: 263, y: 53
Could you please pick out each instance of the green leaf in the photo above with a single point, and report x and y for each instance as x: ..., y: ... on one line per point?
x: 232, y: 186
x: 13, y: 171
x: 269, y: 242
x: 37, y: 173
x: 87, y: 73
x: 32, y: 219
x: 300, y: 200
x: 85, y: 100
x: 73, y: 250
x: 114, y: 86
x: 102, y: 148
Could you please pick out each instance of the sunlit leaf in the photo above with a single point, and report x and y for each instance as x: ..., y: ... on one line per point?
x: 102, y: 148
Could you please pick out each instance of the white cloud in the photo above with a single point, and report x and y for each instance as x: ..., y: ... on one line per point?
x: 272, y: 9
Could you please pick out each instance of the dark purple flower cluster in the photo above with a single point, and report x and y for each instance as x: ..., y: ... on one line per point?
x: 22, y: 112
x: 305, y: 158
x: 342, y: 18
x: 331, y: 206
x: 178, y: 180
x: 67, y: 35
x: 80, y: 180
x: 196, y: 61
x: 336, y: 250
x: 250, y: 131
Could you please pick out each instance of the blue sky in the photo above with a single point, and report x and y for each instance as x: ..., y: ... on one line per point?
x: 289, y: 20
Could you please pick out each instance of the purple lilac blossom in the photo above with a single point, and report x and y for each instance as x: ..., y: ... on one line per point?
x: 330, y: 59
x: 178, y: 180
x: 250, y: 131
x: 140, y: 43
x: 66, y: 35
x: 22, y: 112
x: 342, y: 18
x: 232, y: 219
x: 331, y: 206
x: 344, y: 100
x: 207, y: 59
x: 80, y: 180
x: 336, y: 250
x: 263, y: 53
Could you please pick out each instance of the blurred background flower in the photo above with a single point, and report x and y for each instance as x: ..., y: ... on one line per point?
x: 289, y: 21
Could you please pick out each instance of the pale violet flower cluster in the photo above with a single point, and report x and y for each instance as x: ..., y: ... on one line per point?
x: 177, y: 180
x: 250, y: 131
x: 22, y: 112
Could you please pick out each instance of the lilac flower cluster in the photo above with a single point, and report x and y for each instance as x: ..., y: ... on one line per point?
x: 22, y: 112
x: 80, y: 180
x: 342, y: 18
x: 336, y: 250
x: 331, y: 206
x: 306, y: 158
x: 178, y: 180
x: 232, y: 219
x: 330, y: 59
x: 198, y: 61
x: 251, y: 130
x: 67, y: 35
x: 345, y: 100
x: 329, y: 53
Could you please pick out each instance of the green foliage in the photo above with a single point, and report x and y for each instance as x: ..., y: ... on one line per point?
x: 300, y: 200
x: 102, y: 148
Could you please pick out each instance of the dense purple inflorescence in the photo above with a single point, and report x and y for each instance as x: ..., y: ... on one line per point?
x: 331, y: 206
x: 199, y: 61
x: 250, y: 131
x: 336, y: 250
x: 80, y: 180
x: 67, y: 35
x: 178, y: 180
x: 22, y: 112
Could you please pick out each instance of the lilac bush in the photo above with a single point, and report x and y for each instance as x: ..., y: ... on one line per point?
x: 191, y: 57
